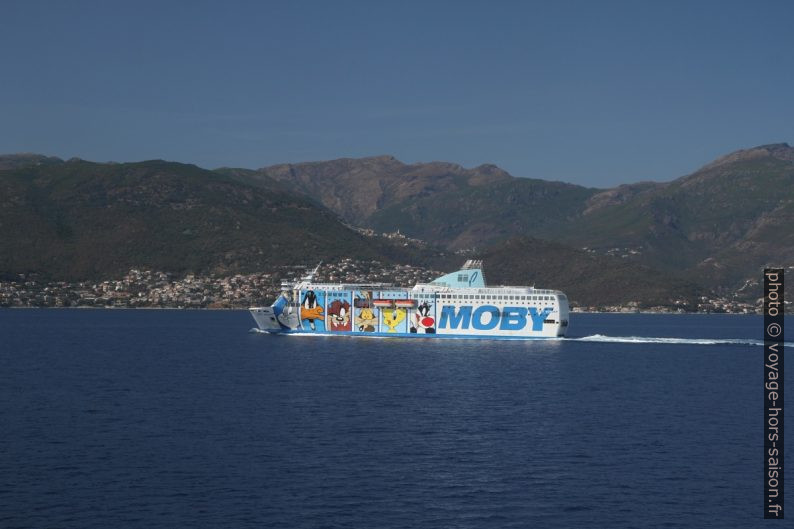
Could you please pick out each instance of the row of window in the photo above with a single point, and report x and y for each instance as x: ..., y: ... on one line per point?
x: 511, y: 314
x: 484, y: 297
x: 456, y: 297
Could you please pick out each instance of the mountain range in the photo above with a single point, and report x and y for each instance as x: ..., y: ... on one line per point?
x: 78, y: 220
x: 717, y: 226
x: 438, y: 202
x: 653, y: 243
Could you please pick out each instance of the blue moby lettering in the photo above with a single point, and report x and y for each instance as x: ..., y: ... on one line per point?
x: 493, y: 320
x: 508, y: 319
x: 452, y: 320
x: 513, y: 319
x: 538, y: 317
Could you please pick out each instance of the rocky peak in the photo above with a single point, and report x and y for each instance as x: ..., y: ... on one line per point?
x: 779, y: 151
x: 487, y: 173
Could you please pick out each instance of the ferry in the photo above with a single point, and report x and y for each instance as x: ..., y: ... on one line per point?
x: 455, y: 305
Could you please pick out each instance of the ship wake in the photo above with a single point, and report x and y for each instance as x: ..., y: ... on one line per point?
x: 677, y: 341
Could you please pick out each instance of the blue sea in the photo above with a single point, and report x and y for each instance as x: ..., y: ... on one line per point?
x: 165, y: 418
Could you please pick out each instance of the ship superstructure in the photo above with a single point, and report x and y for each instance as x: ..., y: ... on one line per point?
x: 455, y: 305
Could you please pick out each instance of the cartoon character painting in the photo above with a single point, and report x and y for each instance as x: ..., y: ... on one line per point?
x: 312, y: 309
x: 423, y: 322
x: 365, y: 320
x: 339, y: 315
x: 284, y: 312
x: 392, y: 318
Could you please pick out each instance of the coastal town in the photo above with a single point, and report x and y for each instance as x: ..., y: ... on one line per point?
x: 151, y: 289
x: 155, y: 289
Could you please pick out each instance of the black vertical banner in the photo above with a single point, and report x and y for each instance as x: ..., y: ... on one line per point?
x: 773, y: 393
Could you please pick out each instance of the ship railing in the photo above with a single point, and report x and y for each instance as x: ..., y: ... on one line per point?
x: 431, y: 288
x: 351, y: 286
x: 532, y: 290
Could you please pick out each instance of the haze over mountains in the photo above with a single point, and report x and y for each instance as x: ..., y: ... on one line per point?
x: 653, y: 242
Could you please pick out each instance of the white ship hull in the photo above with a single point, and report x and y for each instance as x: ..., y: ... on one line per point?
x: 457, y: 305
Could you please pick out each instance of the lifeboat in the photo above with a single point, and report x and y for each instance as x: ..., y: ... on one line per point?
x: 382, y: 303
x: 405, y: 303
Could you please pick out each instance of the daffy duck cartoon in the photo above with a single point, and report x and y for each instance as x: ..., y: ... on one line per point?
x: 310, y: 310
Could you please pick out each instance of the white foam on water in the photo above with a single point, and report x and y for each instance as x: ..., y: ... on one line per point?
x: 679, y: 341
x: 594, y: 338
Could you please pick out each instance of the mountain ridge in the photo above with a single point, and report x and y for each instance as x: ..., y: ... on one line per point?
x: 715, y: 226
x: 715, y: 223
x: 360, y: 186
x: 79, y: 220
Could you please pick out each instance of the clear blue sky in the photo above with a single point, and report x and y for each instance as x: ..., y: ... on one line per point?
x: 595, y: 93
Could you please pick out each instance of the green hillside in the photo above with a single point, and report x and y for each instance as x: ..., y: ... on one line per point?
x: 721, y: 224
x: 79, y: 219
x: 587, y: 279
x: 469, y: 216
x: 439, y: 202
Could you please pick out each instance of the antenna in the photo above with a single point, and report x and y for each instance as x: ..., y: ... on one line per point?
x: 310, y: 275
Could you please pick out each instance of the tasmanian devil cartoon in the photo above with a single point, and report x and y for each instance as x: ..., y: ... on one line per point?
x: 310, y: 310
x: 339, y: 315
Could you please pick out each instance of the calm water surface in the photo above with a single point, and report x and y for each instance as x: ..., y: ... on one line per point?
x: 186, y: 419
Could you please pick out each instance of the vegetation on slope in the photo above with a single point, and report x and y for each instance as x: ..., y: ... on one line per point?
x: 587, y: 279
x: 80, y: 220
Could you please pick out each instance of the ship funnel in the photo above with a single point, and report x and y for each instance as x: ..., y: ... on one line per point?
x: 469, y: 276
